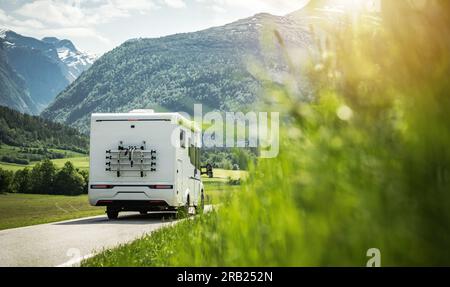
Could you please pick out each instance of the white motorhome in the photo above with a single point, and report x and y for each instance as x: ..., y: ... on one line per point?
x: 144, y: 161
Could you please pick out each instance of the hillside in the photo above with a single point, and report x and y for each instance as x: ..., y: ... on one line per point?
x: 174, y: 72
x: 22, y: 130
x: 38, y: 70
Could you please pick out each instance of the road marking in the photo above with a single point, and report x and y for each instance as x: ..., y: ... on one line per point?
x: 75, y: 262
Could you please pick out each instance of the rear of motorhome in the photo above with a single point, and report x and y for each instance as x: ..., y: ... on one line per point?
x: 144, y: 161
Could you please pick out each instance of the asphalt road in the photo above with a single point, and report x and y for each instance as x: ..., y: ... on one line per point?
x: 66, y: 243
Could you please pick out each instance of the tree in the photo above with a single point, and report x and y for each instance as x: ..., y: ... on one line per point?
x: 68, y: 181
x: 5, y: 180
x: 22, y: 182
x: 85, y: 175
x: 42, y: 177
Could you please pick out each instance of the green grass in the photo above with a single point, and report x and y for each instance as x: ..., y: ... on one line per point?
x: 155, y: 249
x: 14, y: 167
x: 14, y: 151
x: 218, y: 193
x: 81, y: 162
x: 221, y: 176
x: 217, y: 188
x: 17, y: 210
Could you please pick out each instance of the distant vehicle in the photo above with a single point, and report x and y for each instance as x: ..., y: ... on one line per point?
x: 208, y: 170
x: 144, y: 161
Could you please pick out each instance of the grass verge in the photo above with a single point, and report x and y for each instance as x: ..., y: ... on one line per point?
x: 155, y: 249
x: 17, y: 210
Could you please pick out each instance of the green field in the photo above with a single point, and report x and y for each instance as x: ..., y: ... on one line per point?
x: 13, y: 150
x: 18, y: 210
x: 217, y: 188
x: 222, y: 175
x: 81, y: 162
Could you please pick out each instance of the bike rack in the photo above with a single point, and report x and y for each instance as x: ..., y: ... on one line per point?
x: 126, y: 157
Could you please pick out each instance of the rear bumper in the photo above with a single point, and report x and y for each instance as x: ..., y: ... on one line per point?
x: 131, y: 196
x: 136, y: 205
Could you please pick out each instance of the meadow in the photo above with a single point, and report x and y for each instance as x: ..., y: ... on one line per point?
x: 79, y: 161
x: 17, y: 210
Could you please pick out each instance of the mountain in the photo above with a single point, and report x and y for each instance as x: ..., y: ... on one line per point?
x: 13, y: 90
x: 174, y: 72
x: 76, y: 62
x: 44, y: 68
x: 222, y: 68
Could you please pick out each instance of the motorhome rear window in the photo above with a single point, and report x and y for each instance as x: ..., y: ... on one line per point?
x: 194, y: 156
x: 182, y: 138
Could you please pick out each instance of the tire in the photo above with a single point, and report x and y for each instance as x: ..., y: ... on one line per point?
x: 112, y: 213
x: 183, y: 211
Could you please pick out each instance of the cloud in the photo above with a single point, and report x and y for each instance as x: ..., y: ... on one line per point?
x: 278, y: 7
x: 76, y: 19
x: 52, y: 12
x: 70, y: 18
x: 175, y: 3
x: 57, y: 26
x: 9, y: 22
x: 134, y: 5
x: 72, y: 13
x: 218, y: 8
x: 76, y: 13
x: 72, y: 33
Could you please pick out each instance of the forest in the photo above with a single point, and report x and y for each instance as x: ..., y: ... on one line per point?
x: 25, y: 138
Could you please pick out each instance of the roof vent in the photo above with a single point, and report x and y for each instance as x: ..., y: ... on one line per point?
x: 142, y: 111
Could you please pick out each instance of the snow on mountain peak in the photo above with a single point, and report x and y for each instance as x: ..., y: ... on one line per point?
x: 76, y: 61
x: 3, y: 33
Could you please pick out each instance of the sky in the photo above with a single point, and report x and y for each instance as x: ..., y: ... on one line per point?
x: 97, y: 26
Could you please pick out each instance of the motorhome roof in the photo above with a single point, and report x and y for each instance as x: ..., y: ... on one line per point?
x: 144, y: 115
x: 135, y: 115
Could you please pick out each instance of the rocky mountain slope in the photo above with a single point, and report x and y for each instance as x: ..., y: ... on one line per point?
x: 42, y: 67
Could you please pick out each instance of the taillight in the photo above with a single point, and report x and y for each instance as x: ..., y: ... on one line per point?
x: 161, y: 186
x: 101, y: 186
x: 104, y: 202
